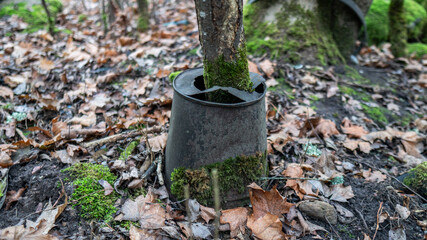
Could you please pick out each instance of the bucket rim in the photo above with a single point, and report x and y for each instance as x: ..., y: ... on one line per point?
x: 216, y: 104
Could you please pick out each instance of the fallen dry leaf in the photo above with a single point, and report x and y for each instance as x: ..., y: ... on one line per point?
x: 309, y: 79
x: 108, y: 189
x: 267, y: 227
x: 207, y: 213
x: 325, y: 128
x: 158, y: 143
x: 264, y: 202
x: 267, y: 67
x: 13, y: 196
x: 46, y: 64
x: 236, y: 218
x: 340, y: 193
x: 141, y: 234
x: 375, y: 176
x: 5, y: 160
x: 6, y: 92
x: 352, y: 130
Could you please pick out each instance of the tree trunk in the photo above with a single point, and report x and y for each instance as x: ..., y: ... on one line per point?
x: 223, y: 43
x: 397, y: 26
x: 307, y: 31
x: 49, y: 18
x: 144, y: 16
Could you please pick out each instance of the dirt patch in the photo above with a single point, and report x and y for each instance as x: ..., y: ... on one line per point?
x: 41, y: 186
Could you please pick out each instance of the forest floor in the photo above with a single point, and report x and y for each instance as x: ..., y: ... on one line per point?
x: 340, y: 138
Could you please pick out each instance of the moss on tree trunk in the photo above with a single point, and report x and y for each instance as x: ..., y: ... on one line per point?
x: 144, y: 16
x: 397, y: 28
x: 222, y: 39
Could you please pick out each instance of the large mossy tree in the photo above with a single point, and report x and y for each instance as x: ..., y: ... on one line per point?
x: 308, y: 31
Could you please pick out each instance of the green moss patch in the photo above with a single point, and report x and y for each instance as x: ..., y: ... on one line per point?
x: 378, y: 114
x: 417, y: 179
x: 377, y: 21
x: 234, y: 174
x: 89, y: 195
x: 420, y: 49
x: 35, y: 15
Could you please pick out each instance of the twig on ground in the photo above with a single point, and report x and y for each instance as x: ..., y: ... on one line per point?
x: 187, y: 209
x: 363, y: 219
x: 21, y: 134
x: 159, y: 171
x: 333, y: 229
x: 70, y: 134
x: 119, y: 136
x: 378, y: 220
x: 291, y: 178
x: 216, y: 201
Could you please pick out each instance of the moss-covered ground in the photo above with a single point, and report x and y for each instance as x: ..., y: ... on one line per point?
x: 88, y: 195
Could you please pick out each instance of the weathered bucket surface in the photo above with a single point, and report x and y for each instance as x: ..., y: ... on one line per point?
x: 203, y: 132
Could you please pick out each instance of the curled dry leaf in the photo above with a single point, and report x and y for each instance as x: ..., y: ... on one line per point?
x: 279, y: 140
x: 352, y: 130
x: 140, y: 234
x: 309, y: 79
x: 340, y: 193
x: 108, y: 189
x: 5, y: 160
x: 267, y: 227
x: 375, y: 176
x: 46, y: 64
x: 13, y: 196
x: 253, y: 67
x: 325, y: 128
x: 207, y: 213
x: 267, y: 67
x: 403, y: 211
x: 158, y: 143
x: 236, y: 218
x: 6, y: 92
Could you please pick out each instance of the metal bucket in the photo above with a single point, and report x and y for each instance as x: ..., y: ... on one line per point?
x: 203, y: 132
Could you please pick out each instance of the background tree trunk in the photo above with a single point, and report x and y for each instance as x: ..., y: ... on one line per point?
x: 222, y: 39
x: 397, y: 28
x: 144, y: 16
x: 308, y: 31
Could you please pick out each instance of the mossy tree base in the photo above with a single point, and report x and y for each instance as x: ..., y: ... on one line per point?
x: 234, y: 174
x: 301, y: 31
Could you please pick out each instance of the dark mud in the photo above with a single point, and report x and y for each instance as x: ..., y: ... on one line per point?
x: 41, y: 186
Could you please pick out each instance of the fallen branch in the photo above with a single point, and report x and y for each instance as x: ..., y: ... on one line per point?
x: 120, y: 136
x: 70, y: 134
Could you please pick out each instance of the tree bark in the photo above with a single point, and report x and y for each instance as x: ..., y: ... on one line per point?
x: 397, y: 26
x: 223, y: 43
x: 143, y: 18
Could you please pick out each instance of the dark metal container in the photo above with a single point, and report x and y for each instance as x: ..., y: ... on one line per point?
x: 203, y: 132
